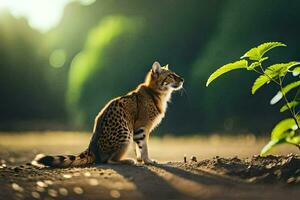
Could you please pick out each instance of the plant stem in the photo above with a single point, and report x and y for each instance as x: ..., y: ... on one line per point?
x: 279, y: 83
x: 287, y: 104
x: 263, y: 72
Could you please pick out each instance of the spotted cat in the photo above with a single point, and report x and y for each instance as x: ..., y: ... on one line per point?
x: 127, y: 118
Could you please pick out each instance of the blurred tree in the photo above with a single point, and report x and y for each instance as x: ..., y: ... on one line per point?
x: 103, y: 50
x: 25, y: 93
x: 171, y: 32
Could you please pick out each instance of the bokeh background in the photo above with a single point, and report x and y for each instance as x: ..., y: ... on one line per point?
x: 62, y: 60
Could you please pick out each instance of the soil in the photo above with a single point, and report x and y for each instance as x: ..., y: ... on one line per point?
x: 255, y: 177
x: 269, y: 169
x: 218, y: 178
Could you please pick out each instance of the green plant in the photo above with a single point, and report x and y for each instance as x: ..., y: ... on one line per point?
x: 287, y: 130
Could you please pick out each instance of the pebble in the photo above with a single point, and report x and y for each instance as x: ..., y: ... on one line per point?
x: 291, y: 180
x: 63, y: 191
x: 193, y: 158
x: 78, y: 190
x: 269, y: 166
x: 41, y: 184
x: 67, y: 176
x: 278, y: 173
x: 52, y: 193
x: 87, y: 174
x: 48, y: 182
x: 76, y: 174
x: 35, y: 195
x: 115, y: 194
x: 40, y: 189
x: 17, y: 188
x: 93, y: 182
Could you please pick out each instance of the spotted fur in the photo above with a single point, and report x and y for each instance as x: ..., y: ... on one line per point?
x: 124, y: 119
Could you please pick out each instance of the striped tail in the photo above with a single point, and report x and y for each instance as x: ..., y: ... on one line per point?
x: 61, y: 161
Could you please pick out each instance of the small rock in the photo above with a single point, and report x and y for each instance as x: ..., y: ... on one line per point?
x: 2, y: 166
x: 63, y: 191
x: 193, y: 159
x: 67, y: 176
x: 291, y: 180
x: 93, y: 182
x: 48, y: 182
x: 87, y: 174
x: 269, y: 166
x: 41, y: 184
x: 115, y: 194
x: 35, y: 195
x: 78, y: 190
x: 52, y: 193
x: 278, y: 173
x: 16, y: 187
x: 76, y: 174
x: 40, y: 189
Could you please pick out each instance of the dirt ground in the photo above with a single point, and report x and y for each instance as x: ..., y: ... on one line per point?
x: 222, y: 168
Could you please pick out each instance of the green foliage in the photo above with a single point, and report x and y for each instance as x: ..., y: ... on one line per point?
x: 226, y: 68
x: 285, y: 130
x: 291, y: 104
x: 89, y: 74
x: 257, y: 53
x: 290, y: 86
x: 272, y: 72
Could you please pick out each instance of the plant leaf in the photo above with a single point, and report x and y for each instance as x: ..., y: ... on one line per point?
x: 296, y: 71
x: 290, y: 86
x: 268, y: 147
x: 290, y: 104
x: 283, y: 129
x: 284, y: 91
x: 273, y: 71
x: 226, y: 68
x: 263, y: 59
x: 257, y: 53
x: 281, y: 133
x: 253, y: 65
x: 294, y: 140
x: 259, y: 82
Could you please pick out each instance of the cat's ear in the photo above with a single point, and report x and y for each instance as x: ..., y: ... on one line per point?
x: 156, y: 68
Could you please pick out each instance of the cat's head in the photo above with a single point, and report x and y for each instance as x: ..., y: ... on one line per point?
x: 162, y: 79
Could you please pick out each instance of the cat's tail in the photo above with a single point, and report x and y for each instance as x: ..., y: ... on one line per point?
x: 60, y: 161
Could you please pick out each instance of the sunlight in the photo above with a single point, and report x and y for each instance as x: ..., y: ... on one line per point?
x: 41, y: 14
